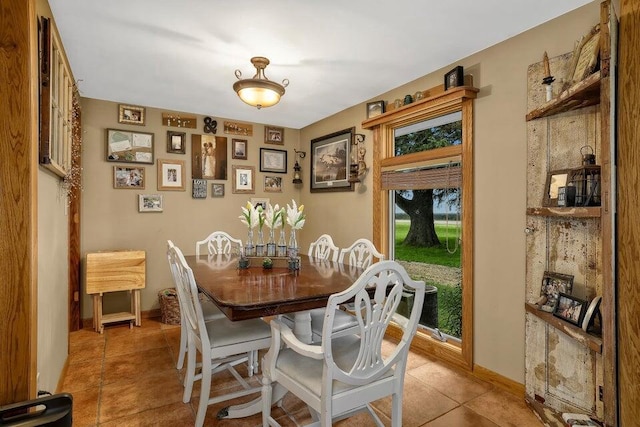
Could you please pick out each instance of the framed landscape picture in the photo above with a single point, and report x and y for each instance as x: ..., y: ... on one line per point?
x: 330, y: 156
x: 273, y: 160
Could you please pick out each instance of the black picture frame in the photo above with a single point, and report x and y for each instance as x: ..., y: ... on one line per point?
x: 330, y: 158
x: 375, y: 108
x: 272, y: 160
x: 454, y: 78
x: 570, y: 309
x: 176, y: 142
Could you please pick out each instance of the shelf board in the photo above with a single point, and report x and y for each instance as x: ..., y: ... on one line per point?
x: 571, y: 212
x: 592, y: 342
x: 580, y: 95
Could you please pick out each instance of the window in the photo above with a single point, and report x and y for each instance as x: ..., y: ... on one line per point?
x: 423, y: 211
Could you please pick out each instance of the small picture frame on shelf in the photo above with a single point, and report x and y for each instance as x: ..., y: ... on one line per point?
x: 375, y: 108
x: 454, y: 78
x: 570, y: 309
x: 585, y: 56
x: 555, y: 180
x: 552, y: 285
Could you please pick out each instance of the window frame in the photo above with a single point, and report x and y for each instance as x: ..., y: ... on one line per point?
x: 383, y: 127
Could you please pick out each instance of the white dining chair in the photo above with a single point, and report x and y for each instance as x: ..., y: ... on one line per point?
x: 219, y: 242
x: 342, y: 375
x: 222, y: 343
x: 324, y: 249
x: 361, y: 253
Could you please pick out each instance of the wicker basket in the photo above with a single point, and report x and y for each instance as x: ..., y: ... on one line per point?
x: 169, y: 306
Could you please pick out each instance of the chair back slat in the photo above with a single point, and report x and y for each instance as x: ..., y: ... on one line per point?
x: 362, y: 253
x: 324, y: 249
x: 219, y: 242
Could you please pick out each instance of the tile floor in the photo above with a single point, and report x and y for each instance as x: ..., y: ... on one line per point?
x: 127, y: 377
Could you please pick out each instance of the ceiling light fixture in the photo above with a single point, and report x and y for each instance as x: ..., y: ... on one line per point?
x: 259, y: 91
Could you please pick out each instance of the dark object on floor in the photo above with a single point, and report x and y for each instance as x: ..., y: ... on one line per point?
x: 53, y: 411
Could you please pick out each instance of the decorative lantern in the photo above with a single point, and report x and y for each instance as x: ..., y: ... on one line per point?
x: 297, y: 177
x: 586, y: 179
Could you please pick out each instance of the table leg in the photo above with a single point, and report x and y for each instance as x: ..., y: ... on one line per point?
x: 253, y: 407
x: 302, y: 326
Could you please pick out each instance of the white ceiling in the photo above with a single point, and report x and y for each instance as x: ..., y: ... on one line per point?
x: 180, y: 55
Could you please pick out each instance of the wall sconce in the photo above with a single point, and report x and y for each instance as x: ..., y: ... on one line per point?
x: 358, y: 167
x: 297, y: 179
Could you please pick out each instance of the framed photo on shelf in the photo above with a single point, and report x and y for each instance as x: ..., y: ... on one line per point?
x: 454, y: 78
x: 273, y: 184
x: 171, y: 175
x: 273, y: 135
x: 585, y: 55
x: 130, y: 115
x: 239, y: 149
x: 150, y: 203
x: 243, y: 179
x: 552, y: 285
x: 273, y: 160
x: 330, y: 156
x: 555, y: 180
x: 128, y: 177
x: 570, y: 309
x: 217, y: 190
x: 125, y: 146
x: 176, y: 142
x: 375, y: 108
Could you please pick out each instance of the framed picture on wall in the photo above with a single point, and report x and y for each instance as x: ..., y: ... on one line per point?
x: 131, y: 115
x: 150, y: 203
x: 274, y: 135
x: 208, y: 157
x: 171, y: 175
x: 125, y: 146
x: 273, y: 160
x: 217, y: 190
x: 128, y: 177
x: 330, y: 156
x: 244, y: 179
x: 176, y: 142
x: 239, y: 149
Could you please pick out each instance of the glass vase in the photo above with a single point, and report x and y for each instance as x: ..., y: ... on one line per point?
x: 292, y: 250
x: 271, y: 244
x: 249, y: 249
x: 282, y: 244
x: 260, y: 248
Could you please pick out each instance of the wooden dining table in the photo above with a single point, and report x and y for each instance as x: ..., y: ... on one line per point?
x: 258, y: 292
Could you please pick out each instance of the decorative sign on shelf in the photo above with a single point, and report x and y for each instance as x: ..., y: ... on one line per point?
x: 235, y: 128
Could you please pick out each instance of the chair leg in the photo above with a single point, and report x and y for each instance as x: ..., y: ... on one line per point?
x: 266, y: 400
x: 250, y: 363
x: 205, y: 387
x: 183, y: 344
x: 396, y: 409
x: 189, y: 375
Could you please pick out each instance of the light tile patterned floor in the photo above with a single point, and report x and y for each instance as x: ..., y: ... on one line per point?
x: 127, y: 377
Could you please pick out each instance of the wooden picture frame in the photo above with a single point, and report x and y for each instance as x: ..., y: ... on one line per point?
x: 150, y: 203
x: 125, y: 146
x: 176, y: 142
x: 272, y: 184
x: 273, y: 160
x: 330, y: 155
x: 555, y: 180
x: 260, y: 201
x: 208, y: 157
x: 199, y: 188
x: 171, y: 175
x: 236, y: 128
x: 244, y: 179
x: 217, y: 190
x: 552, y: 284
x: 274, y: 135
x: 570, y: 309
x: 131, y: 115
x: 375, y: 108
x: 239, y: 149
x: 454, y: 78
x: 585, y: 56
x: 129, y: 177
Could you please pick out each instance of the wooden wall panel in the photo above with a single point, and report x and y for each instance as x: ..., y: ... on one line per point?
x: 18, y: 215
x: 628, y: 231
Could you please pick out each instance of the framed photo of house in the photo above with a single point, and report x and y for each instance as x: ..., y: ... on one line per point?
x: 239, y: 149
x: 570, y: 309
x: 131, y: 115
x: 273, y: 160
x: 375, y: 108
x: 552, y: 285
x: 171, y: 175
x: 217, y: 190
x: 128, y: 177
x: 330, y: 156
x: 243, y: 179
x: 125, y: 146
x: 555, y: 180
x: 176, y: 142
x: 273, y: 135
x: 273, y: 184
x: 150, y: 203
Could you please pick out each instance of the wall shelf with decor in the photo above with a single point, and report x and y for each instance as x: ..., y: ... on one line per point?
x: 566, y: 368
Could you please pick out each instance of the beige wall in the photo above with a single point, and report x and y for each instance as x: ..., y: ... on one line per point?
x: 110, y: 219
x: 500, y: 181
